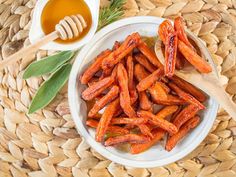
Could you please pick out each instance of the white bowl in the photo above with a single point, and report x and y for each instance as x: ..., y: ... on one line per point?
x: 156, y: 156
x: 36, y: 31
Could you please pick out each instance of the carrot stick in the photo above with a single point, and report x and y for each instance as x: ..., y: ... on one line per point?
x: 111, y: 129
x: 105, y: 119
x: 94, y: 67
x: 97, y: 88
x: 198, y: 62
x: 125, y: 102
x: 187, y: 113
x: 139, y: 72
x: 149, y: 54
x: 173, y: 140
x: 166, y: 111
x: 145, y: 130
x: 165, y: 28
x: 179, y: 27
x: 157, y: 91
x: 129, y: 138
x: 186, y: 96
x: 157, y: 133
x: 170, y: 100
x: 162, y: 123
x: 111, y: 95
x: 148, y: 81
x: 134, y: 120
x: 144, y: 101
x: 125, y: 48
x: 141, y: 59
x: 187, y: 87
x: 131, y: 86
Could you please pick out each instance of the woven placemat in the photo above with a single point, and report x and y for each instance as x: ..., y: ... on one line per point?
x: 47, y: 144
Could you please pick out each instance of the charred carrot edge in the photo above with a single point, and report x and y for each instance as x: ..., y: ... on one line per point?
x: 116, y: 45
x: 112, y: 129
x: 187, y: 113
x: 145, y: 130
x: 141, y: 59
x: 157, y: 91
x: 187, y: 87
x: 144, y: 101
x: 105, y: 119
x: 171, y: 100
x: 145, y: 50
x: 131, y: 138
x: 125, y: 102
x: 198, y: 62
x: 140, y: 72
x: 111, y: 95
x: 166, y: 111
x: 165, y: 28
x: 97, y: 88
x: 130, y: 70
x: 93, y: 68
x: 148, y: 81
x: 162, y: 123
x: 158, y: 134
x: 125, y: 48
x: 186, y: 96
x: 173, y: 140
x: 179, y: 27
x: 170, y: 54
x: 124, y: 120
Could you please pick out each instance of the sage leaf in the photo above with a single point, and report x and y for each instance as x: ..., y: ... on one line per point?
x: 49, y: 89
x: 47, y: 65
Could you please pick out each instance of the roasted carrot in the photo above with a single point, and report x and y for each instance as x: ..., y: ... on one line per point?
x: 157, y: 133
x: 124, y: 120
x: 162, y: 123
x: 180, y: 61
x: 170, y: 54
x: 187, y: 113
x: 141, y: 59
x: 187, y: 87
x: 173, y: 140
x: 151, y: 56
x: 125, y: 102
x: 145, y: 130
x: 125, y: 48
x: 131, y: 86
x: 144, y: 101
x: 106, y: 118
x: 97, y: 88
x: 179, y: 28
x: 198, y: 62
x: 94, y: 67
x: 129, y: 138
x: 145, y: 83
x: 111, y: 129
x: 186, y: 96
x: 170, y: 100
x: 158, y: 91
x: 111, y: 95
x: 165, y: 28
x: 116, y: 45
x: 166, y: 111
x: 140, y: 72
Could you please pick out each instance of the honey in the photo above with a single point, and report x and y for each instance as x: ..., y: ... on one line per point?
x: 55, y: 10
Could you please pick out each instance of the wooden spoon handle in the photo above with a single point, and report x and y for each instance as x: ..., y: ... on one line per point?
x: 211, y: 86
x: 29, y: 49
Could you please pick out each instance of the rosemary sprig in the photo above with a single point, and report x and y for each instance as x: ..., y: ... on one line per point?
x: 111, y: 13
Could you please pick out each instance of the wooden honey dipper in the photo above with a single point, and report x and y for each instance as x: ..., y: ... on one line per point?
x: 68, y: 28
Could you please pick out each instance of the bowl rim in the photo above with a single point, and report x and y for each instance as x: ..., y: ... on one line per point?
x: 82, y: 129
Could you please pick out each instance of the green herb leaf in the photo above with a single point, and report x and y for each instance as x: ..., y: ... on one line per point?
x: 50, y: 88
x: 111, y: 13
x: 48, y: 64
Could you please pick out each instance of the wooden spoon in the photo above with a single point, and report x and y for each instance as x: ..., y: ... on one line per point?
x: 68, y: 28
x: 209, y: 83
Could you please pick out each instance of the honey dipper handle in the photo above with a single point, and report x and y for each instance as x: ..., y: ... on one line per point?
x: 28, y: 50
